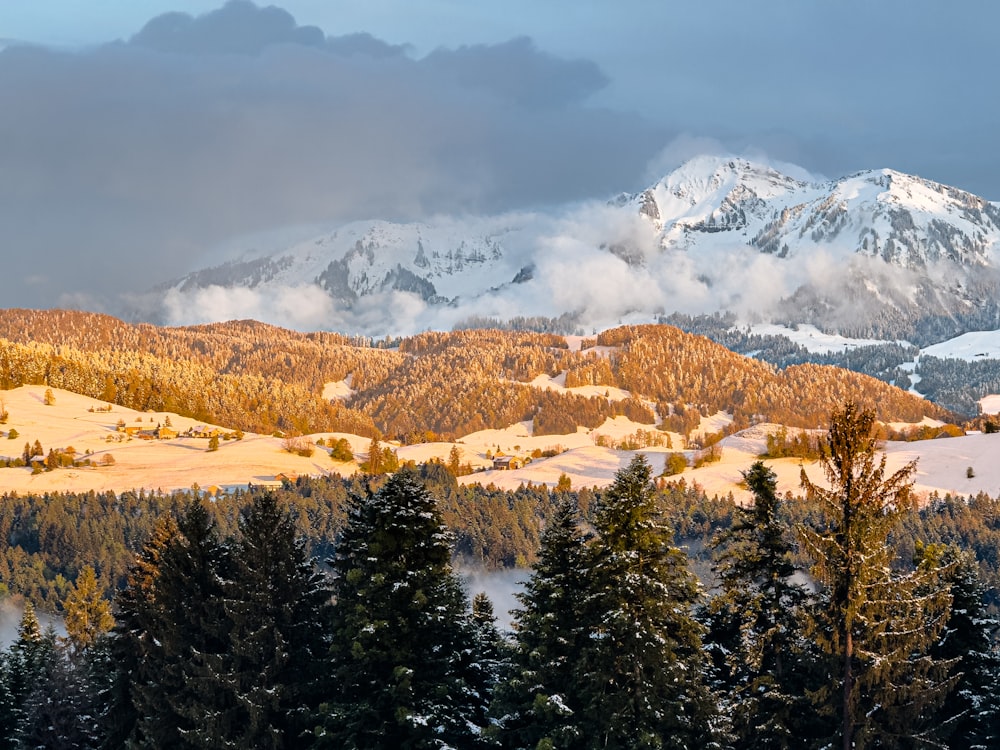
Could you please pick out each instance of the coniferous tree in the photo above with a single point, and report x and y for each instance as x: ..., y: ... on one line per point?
x: 176, y: 696
x: 876, y: 625
x: 484, y: 666
x: 539, y: 701
x: 127, y: 662
x: 27, y: 665
x: 61, y: 711
x: 8, y: 706
x: 970, y: 715
x: 401, y: 629
x: 87, y: 613
x: 642, y: 670
x: 755, y: 623
x: 278, y: 606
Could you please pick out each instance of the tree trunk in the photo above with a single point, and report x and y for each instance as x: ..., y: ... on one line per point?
x: 848, y: 724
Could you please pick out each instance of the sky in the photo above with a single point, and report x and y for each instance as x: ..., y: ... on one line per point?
x: 140, y: 138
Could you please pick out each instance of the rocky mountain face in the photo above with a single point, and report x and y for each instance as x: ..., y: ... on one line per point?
x: 879, y: 253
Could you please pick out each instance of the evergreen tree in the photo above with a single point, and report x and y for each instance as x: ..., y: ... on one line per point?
x: 9, y: 708
x: 491, y: 649
x: 401, y: 629
x: 642, y: 671
x: 539, y: 701
x: 126, y: 663
x: 88, y: 614
x: 970, y: 715
x: 176, y: 696
x: 754, y: 630
x: 27, y: 666
x: 876, y: 625
x: 278, y: 606
x: 455, y: 461
x: 60, y: 711
x: 373, y: 465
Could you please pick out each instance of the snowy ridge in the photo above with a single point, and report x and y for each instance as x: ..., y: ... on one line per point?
x: 870, y: 255
x: 905, y: 220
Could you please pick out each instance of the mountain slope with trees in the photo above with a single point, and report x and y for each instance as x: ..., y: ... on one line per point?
x: 263, y: 379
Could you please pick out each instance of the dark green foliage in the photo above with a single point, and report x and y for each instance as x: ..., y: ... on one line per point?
x: 401, y: 629
x: 127, y: 662
x: 541, y: 701
x: 276, y: 605
x: 182, y: 632
x: 958, y: 384
x: 755, y: 635
x: 60, y: 712
x: 642, y: 671
x: 341, y: 450
x: 26, y: 668
x: 970, y: 715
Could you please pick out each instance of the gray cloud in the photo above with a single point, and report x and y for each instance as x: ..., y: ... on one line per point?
x: 124, y: 164
x: 239, y: 27
x: 517, y: 71
x: 130, y: 163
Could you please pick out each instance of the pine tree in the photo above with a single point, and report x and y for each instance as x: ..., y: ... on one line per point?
x: 60, y: 711
x: 876, y: 625
x: 539, y: 701
x: 27, y: 666
x: 401, y: 629
x: 455, y: 461
x: 970, y: 715
x: 126, y: 663
x: 278, y: 606
x: 483, y: 666
x: 373, y: 465
x: 88, y: 614
x: 642, y: 671
x: 183, y: 627
x: 755, y: 623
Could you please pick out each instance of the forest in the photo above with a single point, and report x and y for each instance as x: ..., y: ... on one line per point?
x: 331, y: 614
x: 955, y: 384
x: 435, y: 385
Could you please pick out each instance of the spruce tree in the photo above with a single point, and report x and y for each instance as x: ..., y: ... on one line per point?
x: 875, y: 624
x: 755, y: 623
x: 28, y: 664
x: 61, y: 711
x: 126, y: 663
x: 278, y: 606
x: 970, y: 715
x: 642, y: 671
x: 88, y: 614
x: 184, y: 628
x: 401, y: 629
x: 539, y: 702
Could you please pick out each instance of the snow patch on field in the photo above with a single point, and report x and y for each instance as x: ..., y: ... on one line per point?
x: 558, y: 383
x: 341, y: 390
x: 257, y: 459
x: 990, y: 404
x: 811, y: 338
x: 971, y: 347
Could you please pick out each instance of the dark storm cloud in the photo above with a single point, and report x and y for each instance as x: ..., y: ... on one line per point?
x: 517, y: 71
x: 241, y: 28
x: 123, y: 164
x: 236, y: 28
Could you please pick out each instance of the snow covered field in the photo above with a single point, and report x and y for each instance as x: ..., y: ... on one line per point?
x: 942, y: 465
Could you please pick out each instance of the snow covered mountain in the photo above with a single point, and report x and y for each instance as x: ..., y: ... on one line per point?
x: 879, y: 254
x: 904, y: 220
